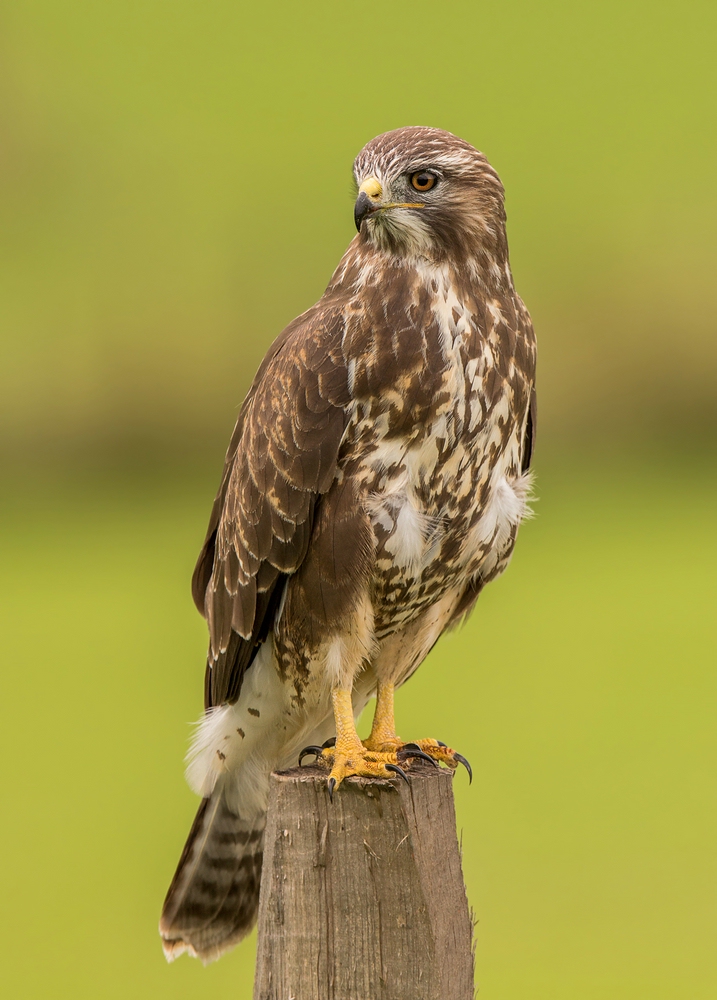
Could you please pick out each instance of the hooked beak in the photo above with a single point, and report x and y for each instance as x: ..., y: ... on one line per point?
x: 362, y: 208
x: 370, y: 201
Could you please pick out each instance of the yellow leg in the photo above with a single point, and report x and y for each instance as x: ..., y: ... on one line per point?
x: 383, y: 731
x: 347, y: 740
x: 349, y: 757
x: 382, y: 753
x: 383, y: 738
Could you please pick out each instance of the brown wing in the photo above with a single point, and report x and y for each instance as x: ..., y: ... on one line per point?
x: 281, y: 459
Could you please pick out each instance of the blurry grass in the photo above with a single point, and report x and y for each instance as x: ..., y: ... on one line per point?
x: 582, y: 691
x: 175, y: 187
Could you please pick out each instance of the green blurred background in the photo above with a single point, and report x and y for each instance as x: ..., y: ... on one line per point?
x: 175, y: 187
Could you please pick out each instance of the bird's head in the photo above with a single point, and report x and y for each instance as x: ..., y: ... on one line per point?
x: 425, y: 193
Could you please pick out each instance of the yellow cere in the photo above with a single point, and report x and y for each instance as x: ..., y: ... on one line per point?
x: 371, y: 187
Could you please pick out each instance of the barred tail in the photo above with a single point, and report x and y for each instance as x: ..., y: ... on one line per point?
x: 214, y: 896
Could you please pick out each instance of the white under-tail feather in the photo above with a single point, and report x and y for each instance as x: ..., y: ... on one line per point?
x: 228, y: 736
x: 214, y: 896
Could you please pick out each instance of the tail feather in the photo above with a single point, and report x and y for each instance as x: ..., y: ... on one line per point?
x: 214, y: 896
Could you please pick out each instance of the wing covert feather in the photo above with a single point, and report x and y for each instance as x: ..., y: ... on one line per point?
x: 281, y: 459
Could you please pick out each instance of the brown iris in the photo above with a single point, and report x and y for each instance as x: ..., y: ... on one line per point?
x: 424, y: 180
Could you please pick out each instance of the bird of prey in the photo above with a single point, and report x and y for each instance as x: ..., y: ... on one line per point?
x: 374, y: 483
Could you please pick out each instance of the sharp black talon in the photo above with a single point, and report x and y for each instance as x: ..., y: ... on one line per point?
x: 332, y: 785
x: 411, y: 750
x: 440, y: 744
x: 461, y: 760
x: 316, y: 751
x: 329, y: 743
x: 398, y: 770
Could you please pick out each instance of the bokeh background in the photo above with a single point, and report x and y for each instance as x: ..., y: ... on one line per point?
x: 175, y: 186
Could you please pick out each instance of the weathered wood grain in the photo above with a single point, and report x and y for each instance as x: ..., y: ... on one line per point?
x: 363, y: 898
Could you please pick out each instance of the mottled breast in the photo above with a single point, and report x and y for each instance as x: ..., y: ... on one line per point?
x: 437, y: 448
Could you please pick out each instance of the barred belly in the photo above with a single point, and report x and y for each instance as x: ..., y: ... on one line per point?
x: 438, y: 526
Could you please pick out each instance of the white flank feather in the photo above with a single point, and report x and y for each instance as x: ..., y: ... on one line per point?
x: 228, y: 735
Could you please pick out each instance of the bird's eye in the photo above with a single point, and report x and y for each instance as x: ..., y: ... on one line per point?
x: 424, y: 180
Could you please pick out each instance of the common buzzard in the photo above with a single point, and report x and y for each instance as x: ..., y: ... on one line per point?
x: 373, y: 485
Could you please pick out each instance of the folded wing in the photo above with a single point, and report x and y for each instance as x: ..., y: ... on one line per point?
x: 281, y: 459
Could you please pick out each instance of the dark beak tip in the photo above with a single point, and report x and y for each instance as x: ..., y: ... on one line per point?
x: 362, y: 208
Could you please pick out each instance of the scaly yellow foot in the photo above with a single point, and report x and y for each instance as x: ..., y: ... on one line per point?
x: 366, y: 762
x: 383, y: 736
x: 382, y: 753
x: 352, y: 759
x: 433, y: 750
x: 440, y: 752
x: 347, y: 756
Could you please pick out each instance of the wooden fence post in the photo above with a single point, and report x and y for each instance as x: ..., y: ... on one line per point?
x: 363, y: 898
